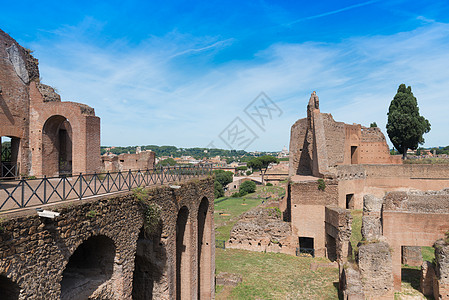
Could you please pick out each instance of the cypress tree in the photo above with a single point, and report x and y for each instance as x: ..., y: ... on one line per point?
x: 405, y: 126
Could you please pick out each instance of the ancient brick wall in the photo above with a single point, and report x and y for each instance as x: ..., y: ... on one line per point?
x: 338, y: 226
x: 41, y: 255
x: 299, y: 162
x: 308, y: 210
x: 28, y: 106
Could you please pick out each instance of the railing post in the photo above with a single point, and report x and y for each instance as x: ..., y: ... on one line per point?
x: 81, y: 185
x: 162, y: 175
x: 22, y: 203
x: 95, y: 183
x: 63, y: 187
x: 129, y: 179
x: 45, y: 188
x: 107, y: 176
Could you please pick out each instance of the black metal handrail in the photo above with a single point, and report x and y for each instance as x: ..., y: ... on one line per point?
x: 305, y: 252
x: 33, y: 192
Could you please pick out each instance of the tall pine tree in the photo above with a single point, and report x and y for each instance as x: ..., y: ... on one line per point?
x: 405, y: 126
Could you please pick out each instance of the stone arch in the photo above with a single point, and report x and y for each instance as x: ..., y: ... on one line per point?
x: 183, y: 255
x: 57, y: 146
x: 204, y: 247
x: 90, y: 265
x: 9, y: 290
x: 149, y: 263
x: 10, y: 156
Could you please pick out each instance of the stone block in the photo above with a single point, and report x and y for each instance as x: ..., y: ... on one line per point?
x: 372, y: 204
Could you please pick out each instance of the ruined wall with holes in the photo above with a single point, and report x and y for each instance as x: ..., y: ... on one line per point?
x: 42, y: 256
x: 318, y: 143
x: 33, y: 114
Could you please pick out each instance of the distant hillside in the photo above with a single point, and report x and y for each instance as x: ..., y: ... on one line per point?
x: 197, y: 153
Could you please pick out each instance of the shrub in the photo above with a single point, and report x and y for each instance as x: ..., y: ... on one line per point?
x: 247, y: 187
x: 269, y: 184
x: 321, y: 184
x: 235, y: 195
x: 218, y: 190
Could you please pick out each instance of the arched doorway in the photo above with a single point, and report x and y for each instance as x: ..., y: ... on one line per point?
x: 91, y: 264
x: 204, y: 250
x: 57, y: 146
x: 183, y: 255
x: 9, y: 149
x: 9, y: 290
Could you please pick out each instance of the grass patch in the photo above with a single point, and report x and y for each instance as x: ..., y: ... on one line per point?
x: 356, y: 234
x: 227, y: 213
x: 276, y: 275
x: 428, y: 253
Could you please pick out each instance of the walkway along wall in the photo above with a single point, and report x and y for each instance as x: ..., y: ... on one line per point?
x: 100, y: 248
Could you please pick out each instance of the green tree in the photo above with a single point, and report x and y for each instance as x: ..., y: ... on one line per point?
x: 261, y: 163
x: 218, y: 190
x: 405, y: 126
x: 167, y: 162
x: 374, y: 124
x: 247, y: 187
x: 223, y: 177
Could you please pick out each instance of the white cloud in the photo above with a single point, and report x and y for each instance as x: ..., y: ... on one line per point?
x: 168, y: 90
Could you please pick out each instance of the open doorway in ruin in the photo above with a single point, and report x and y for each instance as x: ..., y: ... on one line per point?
x: 331, y: 247
x: 183, y: 268
x: 57, y: 147
x: 306, y: 245
x: 9, y: 148
x: 349, y: 201
x: 9, y: 290
x: 91, y: 264
x: 354, y: 155
x: 412, y: 258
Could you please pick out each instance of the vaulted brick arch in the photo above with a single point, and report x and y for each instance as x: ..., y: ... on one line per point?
x: 183, y: 254
x: 90, y: 265
x: 9, y: 290
x: 205, y: 250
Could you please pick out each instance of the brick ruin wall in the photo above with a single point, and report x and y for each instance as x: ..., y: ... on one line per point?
x: 29, y: 104
x: 299, y: 149
x: 307, y: 207
x: 335, y: 139
x: 338, y: 226
x: 35, y: 252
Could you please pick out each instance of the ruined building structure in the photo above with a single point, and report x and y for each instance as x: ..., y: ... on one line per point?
x: 352, y: 161
x: 48, y: 136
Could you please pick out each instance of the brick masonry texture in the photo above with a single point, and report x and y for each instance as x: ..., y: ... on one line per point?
x: 34, y: 252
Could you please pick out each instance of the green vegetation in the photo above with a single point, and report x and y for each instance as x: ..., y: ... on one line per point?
x: 247, y: 187
x: 374, y: 124
x: 356, y: 234
x: 227, y: 213
x: 321, y: 184
x: 405, y: 126
x: 166, y: 162
x: 222, y: 179
x: 276, y: 276
x: 92, y: 214
x: 151, y: 211
x: 267, y: 275
x: 262, y: 163
x: 428, y: 161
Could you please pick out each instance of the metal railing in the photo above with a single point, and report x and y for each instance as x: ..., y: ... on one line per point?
x: 9, y: 169
x: 33, y: 192
x: 305, y: 252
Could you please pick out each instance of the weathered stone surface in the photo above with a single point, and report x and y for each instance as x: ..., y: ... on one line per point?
x: 350, y: 283
x: 48, y: 93
x: 427, y: 277
x: 374, y: 261
x: 412, y: 256
x: 371, y: 227
x: 442, y: 261
x: 261, y: 229
x: 372, y: 203
x: 228, y: 279
x: 17, y: 61
x: 35, y: 252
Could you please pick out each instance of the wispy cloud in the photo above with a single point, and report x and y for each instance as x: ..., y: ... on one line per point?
x: 160, y: 92
x: 333, y: 12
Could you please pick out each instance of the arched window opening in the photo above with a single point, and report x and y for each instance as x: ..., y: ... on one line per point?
x: 183, y: 270
x: 9, y: 290
x: 57, y: 147
x: 90, y: 265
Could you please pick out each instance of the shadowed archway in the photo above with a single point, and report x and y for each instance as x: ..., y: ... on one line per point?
x: 57, y: 146
x: 9, y: 290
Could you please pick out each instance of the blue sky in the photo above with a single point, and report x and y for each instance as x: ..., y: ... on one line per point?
x: 179, y: 73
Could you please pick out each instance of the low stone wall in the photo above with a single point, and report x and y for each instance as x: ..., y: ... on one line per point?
x: 338, y: 233
x: 36, y: 253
